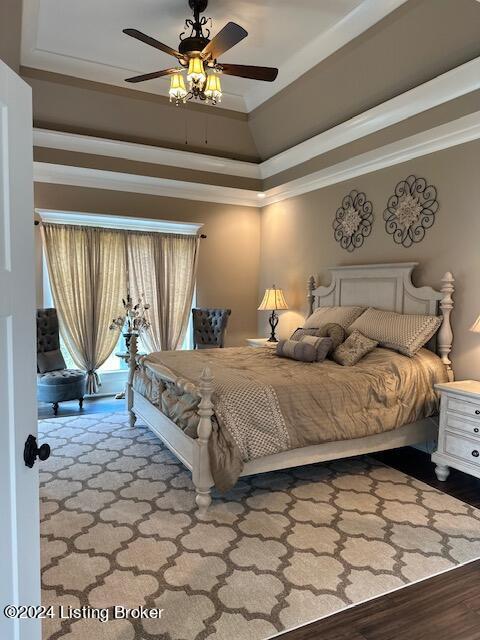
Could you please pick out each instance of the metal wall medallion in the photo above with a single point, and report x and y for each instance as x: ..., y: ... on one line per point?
x: 411, y: 210
x: 353, y: 220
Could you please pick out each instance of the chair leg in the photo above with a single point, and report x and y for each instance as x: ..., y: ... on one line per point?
x: 80, y: 403
x: 55, y: 408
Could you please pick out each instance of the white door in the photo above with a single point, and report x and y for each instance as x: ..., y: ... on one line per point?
x: 19, y: 512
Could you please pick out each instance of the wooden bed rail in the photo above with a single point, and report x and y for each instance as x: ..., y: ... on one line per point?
x: 201, y: 474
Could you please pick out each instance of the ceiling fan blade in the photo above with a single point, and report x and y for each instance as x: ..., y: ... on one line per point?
x: 267, y: 74
x: 226, y: 38
x: 151, y: 76
x: 138, y: 35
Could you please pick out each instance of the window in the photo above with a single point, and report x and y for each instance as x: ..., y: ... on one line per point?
x: 113, y: 362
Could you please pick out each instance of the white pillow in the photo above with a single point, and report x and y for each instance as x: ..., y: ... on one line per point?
x: 344, y: 316
x: 403, y: 332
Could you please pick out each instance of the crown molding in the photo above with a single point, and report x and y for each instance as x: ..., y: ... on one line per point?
x: 460, y: 131
x: 448, y: 86
x: 127, y: 182
x: 454, y: 133
x: 144, y: 153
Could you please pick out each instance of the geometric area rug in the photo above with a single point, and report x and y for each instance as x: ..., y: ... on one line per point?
x: 119, y: 527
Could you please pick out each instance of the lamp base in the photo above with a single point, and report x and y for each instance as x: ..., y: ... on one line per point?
x: 273, y: 321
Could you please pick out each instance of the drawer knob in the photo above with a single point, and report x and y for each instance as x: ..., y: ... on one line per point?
x: 476, y: 430
x: 475, y: 453
x: 477, y: 412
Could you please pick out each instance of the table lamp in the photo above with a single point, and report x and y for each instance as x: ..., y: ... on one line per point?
x: 272, y: 301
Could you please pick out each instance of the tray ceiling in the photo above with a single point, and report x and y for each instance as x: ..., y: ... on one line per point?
x: 84, y: 38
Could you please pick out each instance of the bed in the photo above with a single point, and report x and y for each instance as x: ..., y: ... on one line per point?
x: 179, y: 399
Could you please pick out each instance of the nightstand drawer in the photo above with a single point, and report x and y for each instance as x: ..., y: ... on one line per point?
x: 465, y: 407
x: 464, y: 448
x: 454, y: 421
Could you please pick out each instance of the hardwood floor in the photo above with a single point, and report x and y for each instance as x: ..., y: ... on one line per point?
x: 91, y: 405
x: 446, y: 607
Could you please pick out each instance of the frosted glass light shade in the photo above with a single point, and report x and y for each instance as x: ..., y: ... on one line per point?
x: 196, y: 72
x: 476, y: 326
x: 213, y: 88
x: 272, y: 300
x: 177, y: 89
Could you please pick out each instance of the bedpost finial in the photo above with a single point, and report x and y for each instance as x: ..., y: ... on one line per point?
x: 310, y: 296
x: 445, y: 333
x: 207, y: 375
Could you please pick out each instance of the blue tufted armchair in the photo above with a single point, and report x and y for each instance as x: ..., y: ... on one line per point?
x: 209, y: 326
x: 55, y: 383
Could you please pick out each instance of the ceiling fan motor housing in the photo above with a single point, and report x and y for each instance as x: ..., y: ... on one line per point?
x: 192, y: 45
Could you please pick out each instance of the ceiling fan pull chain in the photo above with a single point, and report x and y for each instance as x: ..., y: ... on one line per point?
x: 206, y: 129
x: 186, y: 129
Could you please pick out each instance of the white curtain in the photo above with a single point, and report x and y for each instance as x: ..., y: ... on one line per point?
x: 163, y: 268
x: 88, y: 278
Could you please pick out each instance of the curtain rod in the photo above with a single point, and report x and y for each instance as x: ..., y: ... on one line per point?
x: 37, y: 222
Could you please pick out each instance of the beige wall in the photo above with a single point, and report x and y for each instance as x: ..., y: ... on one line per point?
x: 415, y: 43
x: 229, y: 257
x: 120, y: 165
x: 297, y: 241
x: 78, y: 106
x: 10, y: 29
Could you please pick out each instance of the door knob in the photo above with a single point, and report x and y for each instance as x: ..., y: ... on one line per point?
x: 31, y: 451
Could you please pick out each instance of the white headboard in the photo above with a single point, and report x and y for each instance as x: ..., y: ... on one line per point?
x: 389, y: 287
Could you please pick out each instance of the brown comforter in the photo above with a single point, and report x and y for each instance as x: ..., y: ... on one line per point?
x: 265, y: 404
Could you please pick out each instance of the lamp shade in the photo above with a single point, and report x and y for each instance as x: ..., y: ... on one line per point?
x: 213, y: 88
x: 177, y: 87
x: 196, y: 72
x: 272, y: 300
x: 476, y: 326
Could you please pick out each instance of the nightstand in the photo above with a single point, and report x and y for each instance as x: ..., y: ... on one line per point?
x: 261, y: 342
x: 459, y: 429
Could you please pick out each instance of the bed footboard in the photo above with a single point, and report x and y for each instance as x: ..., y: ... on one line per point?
x: 200, y: 457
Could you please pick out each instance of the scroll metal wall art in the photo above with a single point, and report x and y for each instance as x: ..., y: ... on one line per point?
x: 353, y: 220
x: 410, y: 210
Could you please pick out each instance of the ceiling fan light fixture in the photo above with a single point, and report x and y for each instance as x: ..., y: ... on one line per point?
x: 198, y: 54
x: 213, y: 88
x: 196, y: 73
x: 177, y: 91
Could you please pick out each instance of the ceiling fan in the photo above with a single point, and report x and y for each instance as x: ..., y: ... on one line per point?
x: 198, y: 55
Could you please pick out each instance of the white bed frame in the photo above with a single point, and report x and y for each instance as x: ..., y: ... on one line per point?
x: 384, y: 286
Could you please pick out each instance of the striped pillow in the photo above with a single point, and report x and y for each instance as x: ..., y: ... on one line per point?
x: 406, y: 333
x: 344, y: 316
x: 323, y: 346
x: 296, y: 350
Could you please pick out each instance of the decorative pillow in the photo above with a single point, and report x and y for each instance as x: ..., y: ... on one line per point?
x: 353, y: 349
x: 296, y: 350
x: 334, y: 331
x: 323, y: 346
x: 50, y: 361
x: 344, y: 316
x: 298, y: 333
x: 406, y: 333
